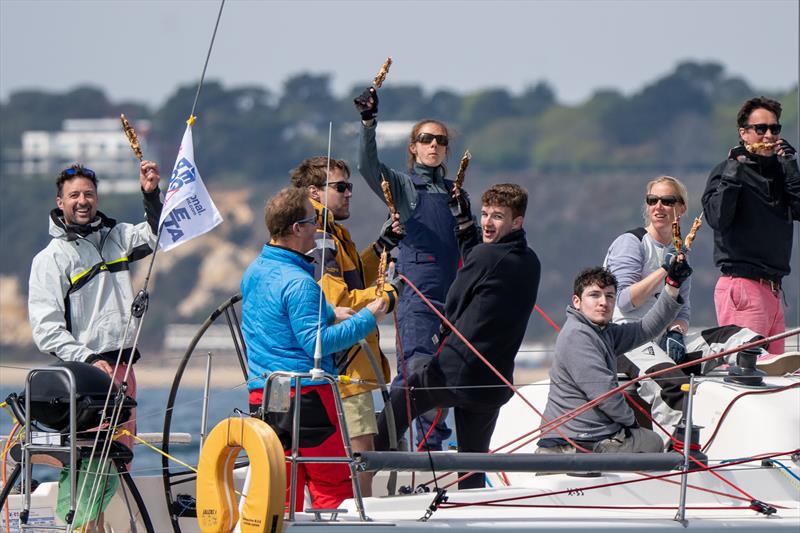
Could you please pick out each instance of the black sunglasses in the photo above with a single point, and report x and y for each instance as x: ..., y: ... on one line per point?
x: 341, y: 186
x: 427, y: 138
x: 761, y: 129
x: 86, y: 172
x: 310, y: 220
x: 667, y: 201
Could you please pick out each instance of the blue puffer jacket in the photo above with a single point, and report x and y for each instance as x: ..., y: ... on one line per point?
x: 279, y: 317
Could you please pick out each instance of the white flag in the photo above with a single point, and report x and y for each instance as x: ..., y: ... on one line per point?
x: 188, y: 210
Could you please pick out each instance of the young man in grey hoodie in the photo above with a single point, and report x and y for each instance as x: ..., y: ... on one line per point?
x: 585, y: 365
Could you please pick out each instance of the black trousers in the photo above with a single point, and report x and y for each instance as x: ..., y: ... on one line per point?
x: 428, y: 390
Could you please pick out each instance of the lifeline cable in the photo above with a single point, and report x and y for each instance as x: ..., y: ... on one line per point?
x: 768, y: 455
x: 558, y: 421
x: 485, y: 361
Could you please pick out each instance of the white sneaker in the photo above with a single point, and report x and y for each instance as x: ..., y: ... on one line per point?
x: 779, y: 364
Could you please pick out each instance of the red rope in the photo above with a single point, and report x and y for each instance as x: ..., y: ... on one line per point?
x: 560, y: 420
x: 547, y: 318
x: 728, y: 408
x: 677, y: 445
x: 483, y: 359
x: 630, y: 481
x: 430, y: 429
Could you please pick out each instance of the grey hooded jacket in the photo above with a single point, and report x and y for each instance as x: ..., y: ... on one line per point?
x: 79, y: 291
x: 585, y: 367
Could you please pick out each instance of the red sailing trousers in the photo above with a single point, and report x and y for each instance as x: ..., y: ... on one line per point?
x: 320, y: 436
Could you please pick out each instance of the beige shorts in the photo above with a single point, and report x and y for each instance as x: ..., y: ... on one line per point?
x: 359, y: 413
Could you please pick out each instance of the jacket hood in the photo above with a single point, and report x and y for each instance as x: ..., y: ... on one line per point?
x: 59, y: 229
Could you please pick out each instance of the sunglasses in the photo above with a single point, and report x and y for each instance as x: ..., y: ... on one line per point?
x: 667, y: 201
x: 427, y: 138
x: 310, y: 220
x: 761, y: 129
x: 85, y: 172
x: 341, y: 186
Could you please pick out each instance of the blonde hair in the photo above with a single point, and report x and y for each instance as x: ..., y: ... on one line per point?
x: 677, y: 186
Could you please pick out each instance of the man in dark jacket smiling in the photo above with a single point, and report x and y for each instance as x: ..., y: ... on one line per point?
x: 489, y: 303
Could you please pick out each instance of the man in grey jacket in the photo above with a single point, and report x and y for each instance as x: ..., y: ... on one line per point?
x: 585, y: 365
x: 79, y: 292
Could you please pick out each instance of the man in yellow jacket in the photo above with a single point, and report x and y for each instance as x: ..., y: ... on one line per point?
x: 347, y: 278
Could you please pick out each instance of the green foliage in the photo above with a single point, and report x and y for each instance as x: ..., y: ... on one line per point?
x: 590, y: 158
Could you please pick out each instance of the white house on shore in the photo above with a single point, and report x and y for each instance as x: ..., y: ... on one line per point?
x: 100, y: 143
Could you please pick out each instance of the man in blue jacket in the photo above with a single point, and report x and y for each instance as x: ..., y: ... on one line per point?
x: 280, y: 321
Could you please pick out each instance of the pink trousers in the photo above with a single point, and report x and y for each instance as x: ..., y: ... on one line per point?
x: 752, y: 304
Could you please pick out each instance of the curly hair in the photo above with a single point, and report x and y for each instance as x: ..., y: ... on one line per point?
x: 508, y: 195
x: 599, y: 276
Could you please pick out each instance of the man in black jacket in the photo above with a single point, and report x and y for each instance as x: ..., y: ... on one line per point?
x: 489, y: 303
x: 750, y: 201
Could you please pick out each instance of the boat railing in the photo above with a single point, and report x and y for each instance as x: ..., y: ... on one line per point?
x: 294, y: 459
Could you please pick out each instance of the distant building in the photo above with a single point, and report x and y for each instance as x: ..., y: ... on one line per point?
x: 390, y: 133
x: 98, y: 143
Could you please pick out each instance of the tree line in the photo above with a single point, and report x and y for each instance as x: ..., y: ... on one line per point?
x: 683, y: 120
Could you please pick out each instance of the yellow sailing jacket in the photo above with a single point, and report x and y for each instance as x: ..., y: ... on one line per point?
x: 349, y: 281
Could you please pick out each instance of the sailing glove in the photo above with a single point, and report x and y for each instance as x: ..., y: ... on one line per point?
x: 388, y: 239
x: 678, y: 272
x: 673, y: 343
x: 367, y: 108
x: 460, y: 206
x: 788, y: 150
x: 669, y: 256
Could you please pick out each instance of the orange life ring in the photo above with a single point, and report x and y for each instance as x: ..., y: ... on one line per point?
x: 217, y: 509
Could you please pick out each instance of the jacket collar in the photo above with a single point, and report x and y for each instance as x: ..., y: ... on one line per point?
x: 515, y: 237
x: 431, y: 173
x: 574, y: 314
x: 59, y: 228
x: 287, y: 255
x: 331, y: 226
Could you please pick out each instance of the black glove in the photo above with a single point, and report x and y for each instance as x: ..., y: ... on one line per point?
x: 738, y: 152
x: 678, y: 272
x: 388, y: 239
x: 397, y: 283
x: 368, y: 110
x: 460, y: 206
x: 788, y: 150
x: 669, y: 257
x: 673, y: 343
